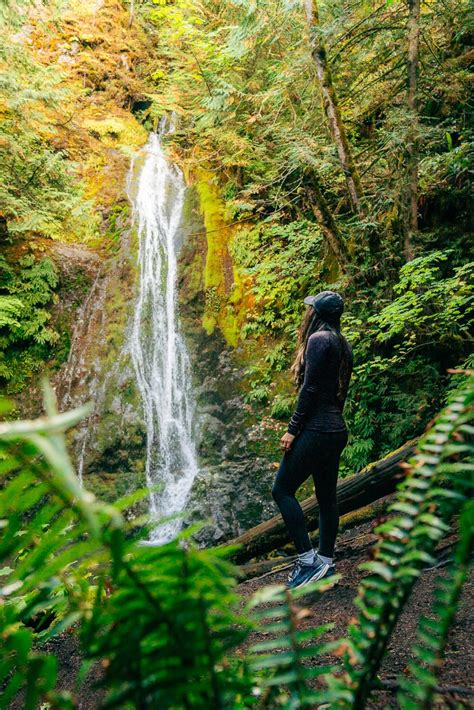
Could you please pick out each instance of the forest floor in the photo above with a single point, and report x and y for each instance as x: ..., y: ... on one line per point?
x: 335, y: 606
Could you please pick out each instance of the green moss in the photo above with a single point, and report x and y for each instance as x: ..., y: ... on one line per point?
x: 194, y: 277
x: 224, y: 286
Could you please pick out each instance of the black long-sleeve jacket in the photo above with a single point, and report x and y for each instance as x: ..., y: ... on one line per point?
x: 324, y: 389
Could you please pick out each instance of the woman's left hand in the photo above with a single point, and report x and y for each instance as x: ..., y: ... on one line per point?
x: 287, y: 440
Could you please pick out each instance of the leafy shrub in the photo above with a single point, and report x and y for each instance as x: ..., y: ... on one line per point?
x: 282, y: 407
x: 26, y: 338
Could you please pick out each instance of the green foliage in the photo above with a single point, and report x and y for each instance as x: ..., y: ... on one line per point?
x: 241, y: 76
x: 164, y: 619
x: 41, y: 194
x: 174, y: 610
x: 257, y: 393
x: 423, y: 329
x: 428, y: 306
x: 26, y: 338
x: 282, y: 407
x: 38, y: 191
x: 49, y: 527
x: 283, y: 261
x: 9, y: 310
x: 283, y: 659
x: 438, y: 487
x: 21, y: 666
x: 417, y: 688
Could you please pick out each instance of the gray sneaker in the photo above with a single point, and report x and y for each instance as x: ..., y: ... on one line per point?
x: 302, y: 574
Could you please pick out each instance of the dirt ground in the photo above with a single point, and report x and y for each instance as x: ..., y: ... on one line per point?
x: 336, y: 606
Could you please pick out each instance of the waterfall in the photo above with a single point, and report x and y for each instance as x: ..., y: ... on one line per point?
x: 156, y: 344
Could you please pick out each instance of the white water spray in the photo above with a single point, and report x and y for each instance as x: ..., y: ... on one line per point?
x: 157, y: 347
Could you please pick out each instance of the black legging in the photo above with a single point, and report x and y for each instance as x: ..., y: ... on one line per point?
x: 315, y: 454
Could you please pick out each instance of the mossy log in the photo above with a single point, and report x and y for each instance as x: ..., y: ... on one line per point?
x: 345, y: 548
x: 371, y: 483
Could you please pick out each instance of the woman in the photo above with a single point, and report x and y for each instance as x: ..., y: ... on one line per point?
x: 316, y: 435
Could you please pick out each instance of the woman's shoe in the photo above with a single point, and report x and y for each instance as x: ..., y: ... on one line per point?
x: 302, y: 574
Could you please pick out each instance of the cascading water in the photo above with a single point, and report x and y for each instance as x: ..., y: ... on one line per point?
x: 156, y: 344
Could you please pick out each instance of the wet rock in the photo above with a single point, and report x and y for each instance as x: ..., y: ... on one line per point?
x: 228, y: 498
x: 232, y: 489
x: 108, y: 446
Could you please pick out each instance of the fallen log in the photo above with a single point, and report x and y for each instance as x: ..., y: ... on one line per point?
x: 264, y: 567
x: 345, y: 548
x: 371, y: 483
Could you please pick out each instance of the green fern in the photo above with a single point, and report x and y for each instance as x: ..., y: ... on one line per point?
x: 172, y: 608
x: 283, y: 406
x: 418, y: 688
x: 27, y: 294
x: 436, y: 488
x: 283, y: 675
x: 49, y: 530
x: 167, y: 620
x: 10, y: 310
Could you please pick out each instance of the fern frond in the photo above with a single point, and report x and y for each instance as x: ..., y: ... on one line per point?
x: 47, y: 547
x: 439, y: 483
x: 10, y: 308
x: 173, y: 609
x: 416, y: 691
x: 280, y: 661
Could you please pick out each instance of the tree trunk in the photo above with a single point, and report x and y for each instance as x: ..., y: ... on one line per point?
x: 410, y: 203
x: 318, y: 52
x: 374, y: 481
x: 326, y: 221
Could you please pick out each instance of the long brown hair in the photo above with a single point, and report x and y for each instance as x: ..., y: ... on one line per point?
x: 311, y: 323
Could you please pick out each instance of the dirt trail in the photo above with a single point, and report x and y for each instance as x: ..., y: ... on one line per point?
x: 336, y: 606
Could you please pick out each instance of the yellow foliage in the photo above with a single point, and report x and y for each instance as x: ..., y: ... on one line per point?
x: 96, y: 53
x: 117, y: 131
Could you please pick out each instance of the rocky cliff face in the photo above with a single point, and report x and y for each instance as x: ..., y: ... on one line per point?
x: 231, y: 492
x: 109, y: 444
x: 102, y: 61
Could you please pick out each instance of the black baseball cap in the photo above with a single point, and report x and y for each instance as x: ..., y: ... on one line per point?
x: 328, y: 304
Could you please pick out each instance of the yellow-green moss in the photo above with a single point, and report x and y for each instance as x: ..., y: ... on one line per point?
x: 117, y: 131
x: 224, y: 286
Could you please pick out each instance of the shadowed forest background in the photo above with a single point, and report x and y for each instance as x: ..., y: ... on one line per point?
x: 323, y: 146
